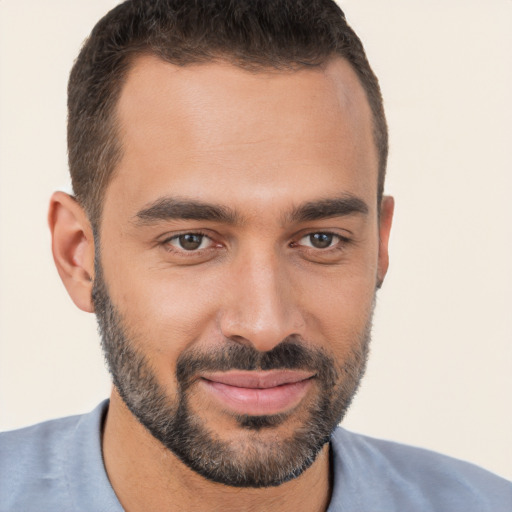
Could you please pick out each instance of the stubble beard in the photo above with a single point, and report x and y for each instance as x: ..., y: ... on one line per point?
x: 263, y: 461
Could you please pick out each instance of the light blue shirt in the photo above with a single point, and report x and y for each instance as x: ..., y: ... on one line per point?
x: 58, y: 466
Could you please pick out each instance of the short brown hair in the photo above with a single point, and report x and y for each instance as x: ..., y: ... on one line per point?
x: 254, y: 34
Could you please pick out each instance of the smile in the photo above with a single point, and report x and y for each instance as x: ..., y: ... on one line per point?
x: 258, y: 393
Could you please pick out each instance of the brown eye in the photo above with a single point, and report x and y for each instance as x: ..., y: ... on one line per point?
x: 190, y: 241
x: 319, y: 240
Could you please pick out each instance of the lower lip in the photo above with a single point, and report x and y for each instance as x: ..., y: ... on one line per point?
x: 258, y: 401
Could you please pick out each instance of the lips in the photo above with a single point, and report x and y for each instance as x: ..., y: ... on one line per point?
x: 258, y: 393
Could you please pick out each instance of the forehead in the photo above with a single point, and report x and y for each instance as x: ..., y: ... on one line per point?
x: 210, y: 129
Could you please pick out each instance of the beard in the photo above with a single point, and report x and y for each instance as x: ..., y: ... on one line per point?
x: 261, y: 461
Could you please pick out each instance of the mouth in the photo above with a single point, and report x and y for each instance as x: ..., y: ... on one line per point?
x: 258, y: 393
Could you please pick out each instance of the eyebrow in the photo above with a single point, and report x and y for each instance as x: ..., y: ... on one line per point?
x: 169, y: 208
x: 328, y: 208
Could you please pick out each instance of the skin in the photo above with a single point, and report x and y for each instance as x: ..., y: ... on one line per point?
x: 261, y: 144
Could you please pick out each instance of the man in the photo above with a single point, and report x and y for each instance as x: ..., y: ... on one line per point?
x: 229, y: 230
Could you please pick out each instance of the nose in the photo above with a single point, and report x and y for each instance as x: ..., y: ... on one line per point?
x: 261, y: 307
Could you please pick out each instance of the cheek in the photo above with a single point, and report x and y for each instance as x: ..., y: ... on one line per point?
x: 338, y: 305
x: 342, y: 308
x: 166, y: 310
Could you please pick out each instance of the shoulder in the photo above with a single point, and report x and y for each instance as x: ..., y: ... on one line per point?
x: 37, y: 442
x: 31, y: 462
x: 36, y: 462
x: 414, y: 478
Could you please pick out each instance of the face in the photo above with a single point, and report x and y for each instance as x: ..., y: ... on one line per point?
x: 239, y: 260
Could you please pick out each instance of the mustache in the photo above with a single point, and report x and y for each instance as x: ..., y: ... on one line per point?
x: 290, y: 354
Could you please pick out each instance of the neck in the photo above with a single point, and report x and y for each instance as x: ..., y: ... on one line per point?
x: 147, y: 476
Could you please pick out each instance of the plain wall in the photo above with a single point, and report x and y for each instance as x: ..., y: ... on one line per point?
x: 440, y: 374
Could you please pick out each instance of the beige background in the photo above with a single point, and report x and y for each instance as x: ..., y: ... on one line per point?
x: 441, y: 369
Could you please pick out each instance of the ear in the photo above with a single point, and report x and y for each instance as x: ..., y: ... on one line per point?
x: 73, y: 248
x: 387, y: 208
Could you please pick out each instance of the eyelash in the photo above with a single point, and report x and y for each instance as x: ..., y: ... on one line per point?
x: 336, y: 246
x: 167, y: 243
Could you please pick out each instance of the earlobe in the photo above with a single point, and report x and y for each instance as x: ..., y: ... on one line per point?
x: 73, y: 248
x: 386, y: 218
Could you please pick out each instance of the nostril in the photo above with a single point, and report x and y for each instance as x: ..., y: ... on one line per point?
x: 240, y: 340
